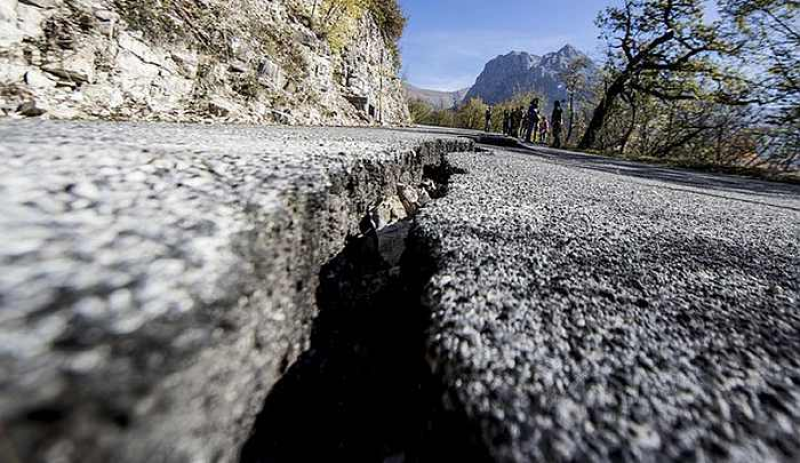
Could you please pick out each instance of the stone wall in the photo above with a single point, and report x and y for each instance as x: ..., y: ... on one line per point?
x: 257, y: 61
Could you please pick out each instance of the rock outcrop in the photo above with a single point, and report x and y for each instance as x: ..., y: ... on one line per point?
x: 258, y: 61
x: 521, y: 72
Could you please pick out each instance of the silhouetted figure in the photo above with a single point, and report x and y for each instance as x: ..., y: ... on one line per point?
x: 556, y: 121
x: 516, y: 121
x: 543, y: 128
x: 506, y: 122
x: 525, y: 122
x: 489, y: 119
x: 533, y: 120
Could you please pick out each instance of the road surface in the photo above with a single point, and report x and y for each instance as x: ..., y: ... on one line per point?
x: 157, y: 279
x: 586, y: 309
x: 159, y: 282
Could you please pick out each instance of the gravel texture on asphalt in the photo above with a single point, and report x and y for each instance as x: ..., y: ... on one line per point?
x: 594, y: 310
x: 157, y: 279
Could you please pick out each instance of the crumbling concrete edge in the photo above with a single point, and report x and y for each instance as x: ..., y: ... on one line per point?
x: 321, y: 222
x: 205, y: 407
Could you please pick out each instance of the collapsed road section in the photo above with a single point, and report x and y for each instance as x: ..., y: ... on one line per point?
x: 158, y: 280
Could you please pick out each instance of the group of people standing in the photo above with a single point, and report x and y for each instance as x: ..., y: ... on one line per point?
x: 532, y: 125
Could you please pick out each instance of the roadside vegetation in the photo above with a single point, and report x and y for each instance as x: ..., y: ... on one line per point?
x: 678, y: 89
x: 338, y: 21
x: 471, y: 114
x: 211, y: 24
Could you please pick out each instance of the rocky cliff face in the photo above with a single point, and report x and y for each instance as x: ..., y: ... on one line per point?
x: 520, y: 72
x: 183, y: 60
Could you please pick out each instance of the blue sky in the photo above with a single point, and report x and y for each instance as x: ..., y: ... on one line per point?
x: 447, y: 42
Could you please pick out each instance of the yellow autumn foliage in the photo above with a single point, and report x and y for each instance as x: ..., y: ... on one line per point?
x: 339, y: 19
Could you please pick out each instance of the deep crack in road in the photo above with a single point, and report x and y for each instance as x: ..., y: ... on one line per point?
x: 157, y: 280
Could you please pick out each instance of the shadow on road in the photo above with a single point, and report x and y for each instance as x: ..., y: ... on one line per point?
x: 364, y: 391
x: 703, y: 183
x: 706, y: 184
x: 683, y: 177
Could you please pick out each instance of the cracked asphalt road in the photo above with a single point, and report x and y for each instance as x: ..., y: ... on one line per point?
x: 156, y: 279
x: 586, y: 309
x: 583, y: 309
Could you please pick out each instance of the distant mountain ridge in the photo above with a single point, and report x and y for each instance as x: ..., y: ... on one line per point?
x: 508, y: 75
x: 436, y: 98
x: 521, y: 72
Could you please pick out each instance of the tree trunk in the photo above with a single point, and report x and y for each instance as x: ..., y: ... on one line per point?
x: 601, y: 112
x: 631, y: 127
x: 571, y: 116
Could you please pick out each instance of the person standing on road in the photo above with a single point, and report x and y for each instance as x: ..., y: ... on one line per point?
x: 488, y: 119
x: 533, y: 120
x: 506, y: 122
x: 543, y: 127
x: 517, y: 122
x: 525, y: 123
x: 556, y: 121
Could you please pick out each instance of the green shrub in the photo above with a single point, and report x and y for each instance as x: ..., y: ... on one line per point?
x: 337, y: 19
x: 390, y: 18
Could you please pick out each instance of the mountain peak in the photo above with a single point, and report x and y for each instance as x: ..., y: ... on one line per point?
x: 569, y: 50
x: 520, y: 60
x: 519, y: 72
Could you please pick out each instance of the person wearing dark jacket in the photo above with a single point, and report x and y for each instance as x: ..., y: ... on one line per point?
x: 506, y: 122
x: 524, y: 124
x: 489, y: 119
x: 556, y: 122
x: 516, y: 122
x: 533, y: 120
